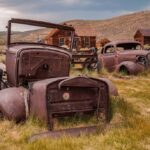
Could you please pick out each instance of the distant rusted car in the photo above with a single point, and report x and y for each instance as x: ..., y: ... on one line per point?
x: 124, y: 56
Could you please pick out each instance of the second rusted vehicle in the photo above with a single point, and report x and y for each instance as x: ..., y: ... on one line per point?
x: 124, y: 56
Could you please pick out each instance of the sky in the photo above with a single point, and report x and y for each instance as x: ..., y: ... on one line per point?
x: 62, y: 10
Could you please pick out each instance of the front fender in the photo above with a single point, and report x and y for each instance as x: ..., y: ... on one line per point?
x: 12, y: 105
x: 133, y: 67
x: 113, y: 91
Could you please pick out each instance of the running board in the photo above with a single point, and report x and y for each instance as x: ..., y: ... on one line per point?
x: 73, y: 132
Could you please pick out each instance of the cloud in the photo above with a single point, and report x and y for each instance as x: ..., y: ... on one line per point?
x: 61, y: 10
x: 7, y: 11
x: 70, y: 2
x: 147, y: 7
x: 5, y: 14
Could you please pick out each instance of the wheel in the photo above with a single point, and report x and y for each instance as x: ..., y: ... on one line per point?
x: 91, y: 66
x: 1, y: 115
x: 124, y: 70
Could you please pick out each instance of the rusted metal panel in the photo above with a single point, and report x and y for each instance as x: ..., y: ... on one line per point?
x: 112, y: 88
x: 65, y: 96
x: 33, y: 64
x: 12, y: 103
x: 73, y: 132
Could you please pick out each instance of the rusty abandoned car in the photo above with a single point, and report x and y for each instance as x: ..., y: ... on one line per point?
x: 38, y: 82
x: 124, y: 56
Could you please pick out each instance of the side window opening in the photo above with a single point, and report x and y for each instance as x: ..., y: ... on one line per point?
x: 61, y: 41
x: 109, y: 49
x: 86, y: 42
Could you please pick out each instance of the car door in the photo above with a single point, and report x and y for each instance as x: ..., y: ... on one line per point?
x: 124, y: 55
x: 109, y: 57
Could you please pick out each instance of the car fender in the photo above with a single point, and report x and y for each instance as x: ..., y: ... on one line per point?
x: 113, y: 91
x: 12, y: 103
x: 132, y: 67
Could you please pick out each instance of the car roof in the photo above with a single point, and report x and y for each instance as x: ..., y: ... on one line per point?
x: 120, y: 42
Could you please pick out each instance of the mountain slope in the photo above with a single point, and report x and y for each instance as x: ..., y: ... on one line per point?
x: 122, y: 27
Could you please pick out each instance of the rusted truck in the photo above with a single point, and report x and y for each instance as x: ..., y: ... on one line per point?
x: 124, y: 56
x: 38, y: 82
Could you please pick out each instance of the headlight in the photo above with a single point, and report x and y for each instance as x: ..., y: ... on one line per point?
x: 142, y: 60
x: 148, y: 57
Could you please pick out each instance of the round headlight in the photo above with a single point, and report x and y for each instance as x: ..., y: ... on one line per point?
x: 142, y: 60
x: 148, y: 57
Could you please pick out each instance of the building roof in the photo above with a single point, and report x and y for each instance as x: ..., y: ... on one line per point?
x: 145, y: 32
x: 85, y: 30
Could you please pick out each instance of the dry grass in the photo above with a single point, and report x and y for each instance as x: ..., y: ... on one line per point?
x: 2, y: 57
x: 129, y: 128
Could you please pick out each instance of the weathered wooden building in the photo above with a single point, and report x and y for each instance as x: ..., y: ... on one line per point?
x: 143, y: 36
x: 84, y: 37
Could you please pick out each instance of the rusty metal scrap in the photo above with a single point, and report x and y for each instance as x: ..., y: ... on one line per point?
x: 73, y: 132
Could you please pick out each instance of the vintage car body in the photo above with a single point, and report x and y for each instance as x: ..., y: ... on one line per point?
x: 65, y: 96
x: 128, y: 56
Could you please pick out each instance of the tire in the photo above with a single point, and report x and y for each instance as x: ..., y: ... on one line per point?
x: 124, y: 70
x: 99, y: 67
x: 91, y: 66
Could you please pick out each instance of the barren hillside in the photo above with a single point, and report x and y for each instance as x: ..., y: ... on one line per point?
x: 121, y: 27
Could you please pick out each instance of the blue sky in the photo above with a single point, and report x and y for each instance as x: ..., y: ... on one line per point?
x: 61, y: 10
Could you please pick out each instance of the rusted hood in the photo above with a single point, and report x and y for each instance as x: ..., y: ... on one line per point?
x: 15, y: 48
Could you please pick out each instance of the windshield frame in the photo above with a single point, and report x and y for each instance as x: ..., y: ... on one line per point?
x: 38, y: 24
x: 125, y: 44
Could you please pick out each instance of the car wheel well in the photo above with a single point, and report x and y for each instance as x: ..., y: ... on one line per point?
x: 123, y: 69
